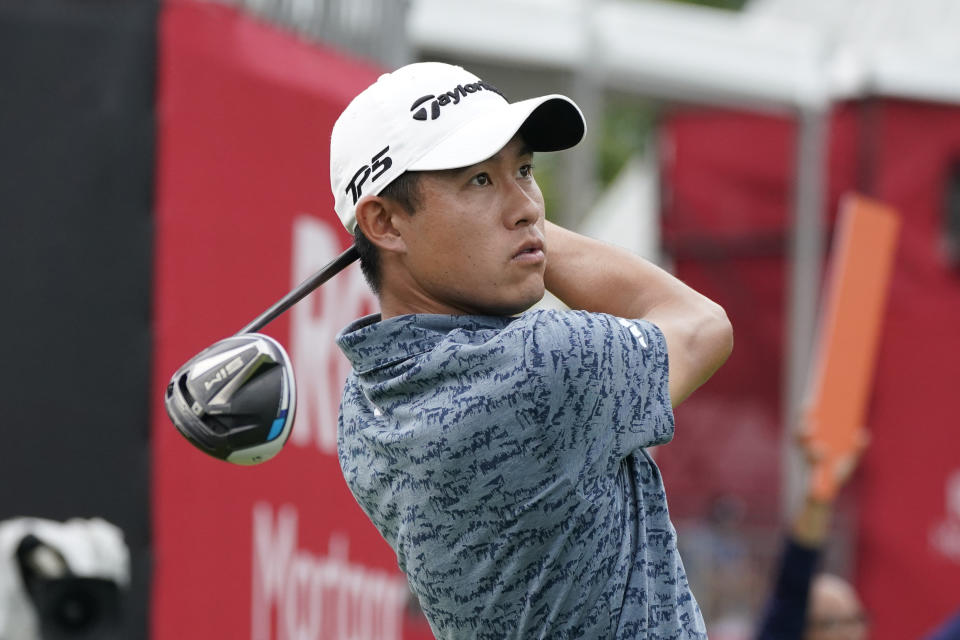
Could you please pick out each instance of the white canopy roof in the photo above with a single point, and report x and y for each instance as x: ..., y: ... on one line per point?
x: 775, y: 53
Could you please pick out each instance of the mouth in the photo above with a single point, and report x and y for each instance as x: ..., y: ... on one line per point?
x: 530, y: 251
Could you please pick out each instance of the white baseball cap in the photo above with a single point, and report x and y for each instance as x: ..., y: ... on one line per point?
x: 429, y: 116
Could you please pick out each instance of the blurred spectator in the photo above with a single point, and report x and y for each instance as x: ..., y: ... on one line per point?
x: 720, y: 565
x: 830, y: 609
x: 835, y: 611
x: 825, y: 607
x: 949, y: 630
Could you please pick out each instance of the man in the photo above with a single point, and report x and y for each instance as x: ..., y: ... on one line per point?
x: 803, y: 604
x: 503, y: 456
x: 835, y: 610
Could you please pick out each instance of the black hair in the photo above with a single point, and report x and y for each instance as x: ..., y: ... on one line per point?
x: 405, y: 191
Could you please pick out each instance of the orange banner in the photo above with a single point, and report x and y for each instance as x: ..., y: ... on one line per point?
x: 849, y: 335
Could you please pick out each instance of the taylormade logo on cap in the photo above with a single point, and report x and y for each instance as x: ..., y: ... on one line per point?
x: 431, y: 116
x: 449, y: 97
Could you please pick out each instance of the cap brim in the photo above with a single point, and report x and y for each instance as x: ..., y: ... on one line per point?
x: 547, y: 123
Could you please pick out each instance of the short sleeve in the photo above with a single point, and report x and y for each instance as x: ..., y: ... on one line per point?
x: 603, y: 381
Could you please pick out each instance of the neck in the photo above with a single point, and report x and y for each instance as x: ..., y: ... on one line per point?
x: 406, y: 301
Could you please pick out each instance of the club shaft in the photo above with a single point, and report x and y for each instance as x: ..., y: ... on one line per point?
x: 331, y: 269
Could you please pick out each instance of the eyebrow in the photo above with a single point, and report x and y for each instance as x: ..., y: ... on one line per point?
x: 524, y: 150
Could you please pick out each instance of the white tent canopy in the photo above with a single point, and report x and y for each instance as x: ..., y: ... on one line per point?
x: 797, y: 56
x: 786, y: 53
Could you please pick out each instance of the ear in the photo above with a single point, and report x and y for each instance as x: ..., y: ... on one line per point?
x: 375, y: 218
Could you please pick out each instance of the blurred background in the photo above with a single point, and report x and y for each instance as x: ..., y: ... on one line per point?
x: 164, y: 177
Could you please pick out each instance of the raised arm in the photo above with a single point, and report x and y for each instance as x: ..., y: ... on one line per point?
x: 593, y: 276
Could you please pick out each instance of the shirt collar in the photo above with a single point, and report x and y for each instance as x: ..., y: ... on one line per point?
x: 370, y: 343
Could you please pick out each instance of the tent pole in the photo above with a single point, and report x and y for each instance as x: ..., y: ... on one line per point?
x: 579, y: 165
x: 806, y: 257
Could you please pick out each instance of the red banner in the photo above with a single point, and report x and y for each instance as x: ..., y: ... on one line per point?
x: 244, y: 212
x: 908, y: 560
x: 728, y: 183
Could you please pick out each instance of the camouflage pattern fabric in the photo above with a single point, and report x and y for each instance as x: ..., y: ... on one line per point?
x: 504, y: 460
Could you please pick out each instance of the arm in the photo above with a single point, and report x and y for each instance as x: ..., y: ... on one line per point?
x: 593, y: 276
x: 785, y: 616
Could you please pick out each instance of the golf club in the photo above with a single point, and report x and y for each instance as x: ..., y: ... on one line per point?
x: 236, y: 399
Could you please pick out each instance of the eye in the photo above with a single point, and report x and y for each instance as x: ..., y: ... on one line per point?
x: 481, y: 179
x: 526, y: 171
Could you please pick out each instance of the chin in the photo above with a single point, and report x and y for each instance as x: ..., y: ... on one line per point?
x: 519, y: 304
x: 499, y: 300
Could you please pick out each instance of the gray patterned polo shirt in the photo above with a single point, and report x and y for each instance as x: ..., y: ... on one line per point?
x: 503, y: 459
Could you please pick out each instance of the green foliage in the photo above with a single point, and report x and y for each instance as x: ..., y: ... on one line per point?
x: 624, y: 132
x: 547, y: 171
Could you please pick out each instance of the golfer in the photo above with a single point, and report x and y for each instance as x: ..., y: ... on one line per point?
x: 502, y: 453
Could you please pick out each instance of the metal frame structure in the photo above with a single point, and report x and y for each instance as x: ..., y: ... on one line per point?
x: 786, y: 56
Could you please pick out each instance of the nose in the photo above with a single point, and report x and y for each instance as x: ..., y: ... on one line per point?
x: 523, y: 207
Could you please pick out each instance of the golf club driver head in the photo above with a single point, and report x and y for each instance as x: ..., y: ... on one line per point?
x: 236, y: 399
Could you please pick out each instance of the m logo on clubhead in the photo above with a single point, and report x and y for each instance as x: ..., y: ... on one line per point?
x: 224, y: 372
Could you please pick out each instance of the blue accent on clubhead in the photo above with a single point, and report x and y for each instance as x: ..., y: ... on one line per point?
x: 277, y: 426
